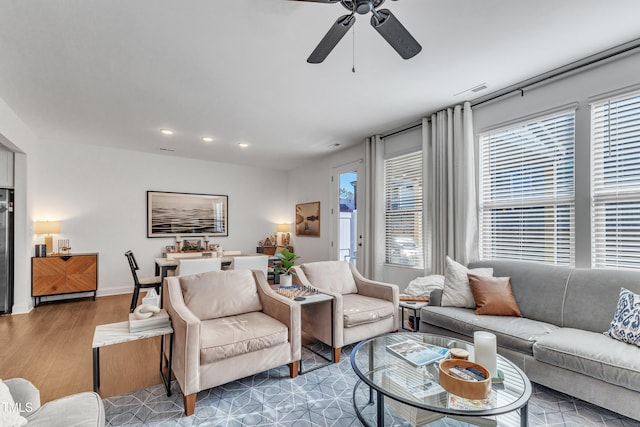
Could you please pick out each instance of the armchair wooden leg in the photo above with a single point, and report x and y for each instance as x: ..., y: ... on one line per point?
x: 294, y: 368
x: 336, y: 354
x: 190, y: 404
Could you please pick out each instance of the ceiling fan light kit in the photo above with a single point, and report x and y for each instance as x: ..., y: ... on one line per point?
x: 382, y: 20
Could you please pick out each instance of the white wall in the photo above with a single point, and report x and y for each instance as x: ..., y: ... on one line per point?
x: 311, y: 183
x: 99, y: 196
x: 577, y: 88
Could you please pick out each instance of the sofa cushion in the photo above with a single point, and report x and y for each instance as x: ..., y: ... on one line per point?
x: 591, y: 354
x: 234, y: 335
x: 456, y: 291
x: 493, y: 296
x: 515, y: 333
x: 599, y: 290
x: 333, y: 276
x: 81, y: 409
x: 539, y: 289
x: 220, y: 293
x: 625, y: 325
x: 359, y: 309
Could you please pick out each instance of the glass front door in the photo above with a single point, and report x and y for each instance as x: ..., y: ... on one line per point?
x: 348, y: 236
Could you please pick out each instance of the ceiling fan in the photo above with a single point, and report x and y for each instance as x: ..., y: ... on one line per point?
x: 382, y: 20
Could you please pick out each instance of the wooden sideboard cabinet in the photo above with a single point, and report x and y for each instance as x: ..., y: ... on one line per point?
x: 64, y: 274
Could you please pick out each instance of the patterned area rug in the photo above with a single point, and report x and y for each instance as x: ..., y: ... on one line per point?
x: 319, y: 398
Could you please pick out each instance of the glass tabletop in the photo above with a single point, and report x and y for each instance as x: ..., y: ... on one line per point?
x: 385, y: 371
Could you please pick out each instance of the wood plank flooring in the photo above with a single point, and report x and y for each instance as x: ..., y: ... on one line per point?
x: 51, y: 347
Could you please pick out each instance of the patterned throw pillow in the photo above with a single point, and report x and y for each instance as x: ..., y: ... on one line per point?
x: 625, y: 325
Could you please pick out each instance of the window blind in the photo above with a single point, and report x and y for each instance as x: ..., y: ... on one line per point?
x: 403, y: 210
x: 615, y: 182
x: 527, y: 208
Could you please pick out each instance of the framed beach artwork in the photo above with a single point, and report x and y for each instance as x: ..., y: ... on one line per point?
x: 186, y: 214
x: 308, y: 219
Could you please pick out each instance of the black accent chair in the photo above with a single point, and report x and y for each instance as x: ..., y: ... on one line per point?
x: 145, y: 282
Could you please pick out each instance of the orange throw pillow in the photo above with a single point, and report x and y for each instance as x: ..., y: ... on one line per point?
x: 493, y: 296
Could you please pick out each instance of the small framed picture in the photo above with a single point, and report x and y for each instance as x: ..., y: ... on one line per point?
x: 192, y: 245
x: 171, y: 249
x: 308, y: 219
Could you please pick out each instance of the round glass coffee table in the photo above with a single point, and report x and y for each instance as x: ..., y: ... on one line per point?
x: 392, y: 387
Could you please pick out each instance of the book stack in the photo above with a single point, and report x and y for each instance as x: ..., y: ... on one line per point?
x: 157, y: 321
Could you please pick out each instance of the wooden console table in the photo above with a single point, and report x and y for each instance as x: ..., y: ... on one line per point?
x: 64, y: 274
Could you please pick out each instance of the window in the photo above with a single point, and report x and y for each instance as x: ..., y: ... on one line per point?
x: 615, y: 182
x: 403, y: 210
x: 527, y: 191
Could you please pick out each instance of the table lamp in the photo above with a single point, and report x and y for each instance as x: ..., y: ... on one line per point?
x: 283, y: 228
x: 48, y: 228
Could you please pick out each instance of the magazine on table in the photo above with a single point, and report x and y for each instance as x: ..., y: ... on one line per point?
x: 457, y: 402
x: 412, y: 383
x: 418, y: 354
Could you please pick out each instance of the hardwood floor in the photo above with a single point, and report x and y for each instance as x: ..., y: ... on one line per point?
x: 51, y: 347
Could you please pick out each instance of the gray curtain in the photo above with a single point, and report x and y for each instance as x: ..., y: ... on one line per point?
x: 451, y: 212
x: 374, y: 234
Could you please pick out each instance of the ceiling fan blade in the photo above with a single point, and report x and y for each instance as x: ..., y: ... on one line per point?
x: 331, y: 39
x: 395, y: 33
x: 319, y: 1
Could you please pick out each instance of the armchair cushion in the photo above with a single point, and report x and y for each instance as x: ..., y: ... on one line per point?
x: 331, y: 276
x: 80, y: 409
x: 231, y: 336
x: 232, y: 293
x: 9, y: 409
x: 359, y: 309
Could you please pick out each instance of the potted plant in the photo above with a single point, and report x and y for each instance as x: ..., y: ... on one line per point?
x: 284, y: 268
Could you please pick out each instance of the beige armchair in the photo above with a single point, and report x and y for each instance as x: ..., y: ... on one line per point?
x: 229, y: 325
x: 362, y: 308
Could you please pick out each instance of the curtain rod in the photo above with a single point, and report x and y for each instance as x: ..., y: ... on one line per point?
x: 572, y: 67
x: 589, y: 61
x: 404, y: 129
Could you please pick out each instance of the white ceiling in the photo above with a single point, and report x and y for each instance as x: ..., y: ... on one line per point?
x: 112, y: 73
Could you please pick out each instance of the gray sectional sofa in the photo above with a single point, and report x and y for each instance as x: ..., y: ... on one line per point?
x: 559, y: 341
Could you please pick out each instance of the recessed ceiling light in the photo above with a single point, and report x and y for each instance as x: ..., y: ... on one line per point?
x: 207, y: 139
x: 243, y: 145
x: 166, y: 131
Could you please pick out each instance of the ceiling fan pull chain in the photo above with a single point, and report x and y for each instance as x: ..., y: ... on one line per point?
x: 353, y: 68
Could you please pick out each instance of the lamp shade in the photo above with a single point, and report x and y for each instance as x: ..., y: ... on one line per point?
x: 284, y: 228
x: 47, y: 227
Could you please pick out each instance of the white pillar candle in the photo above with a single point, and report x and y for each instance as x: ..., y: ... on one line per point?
x: 484, y: 347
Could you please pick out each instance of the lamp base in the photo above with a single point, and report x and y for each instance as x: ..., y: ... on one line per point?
x: 48, y: 241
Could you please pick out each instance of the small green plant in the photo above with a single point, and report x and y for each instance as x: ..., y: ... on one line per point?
x: 287, y: 261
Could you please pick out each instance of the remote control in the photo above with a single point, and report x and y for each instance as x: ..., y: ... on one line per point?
x: 477, y: 372
x: 459, y: 372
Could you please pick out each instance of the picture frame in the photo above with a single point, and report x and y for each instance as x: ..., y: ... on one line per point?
x: 172, y: 214
x: 192, y: 245
x: 308, y: 219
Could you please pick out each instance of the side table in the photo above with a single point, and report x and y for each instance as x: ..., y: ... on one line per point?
x: 117, y: 333
x: 316, y: 299
x: 415, y: 307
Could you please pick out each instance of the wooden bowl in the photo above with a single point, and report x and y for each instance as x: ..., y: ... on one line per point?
x: 464, y: 388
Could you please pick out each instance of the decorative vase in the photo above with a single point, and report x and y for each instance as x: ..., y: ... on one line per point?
x: 285, y: 280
